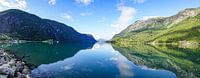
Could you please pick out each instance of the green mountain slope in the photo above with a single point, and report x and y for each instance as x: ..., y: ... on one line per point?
x: 181, y: 28
x: 188, y: 30
x: 19, y: 25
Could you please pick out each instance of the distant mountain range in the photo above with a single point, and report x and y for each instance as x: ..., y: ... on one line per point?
x: 182, y: 27
x: 19, y: 25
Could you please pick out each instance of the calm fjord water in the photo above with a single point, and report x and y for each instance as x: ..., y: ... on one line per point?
x: 82, y: 61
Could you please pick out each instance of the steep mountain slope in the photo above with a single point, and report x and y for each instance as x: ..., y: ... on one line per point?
x: 185, y: 26
x: 20, y: 25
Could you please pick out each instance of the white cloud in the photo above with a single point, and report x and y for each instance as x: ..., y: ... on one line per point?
x: 1, y: 7
x: 103, y: 19
x: 127, y: 15
x: 138, y: 1
x: 86, y: 14
x: 84, y: 2
x: 148, y: 17
x: 96, y: 36
x: 66, y: 16
x: 17, y: 4
x: 52, y: 2
x: 132, y: 1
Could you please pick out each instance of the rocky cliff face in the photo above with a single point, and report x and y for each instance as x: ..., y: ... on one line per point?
x: 160, y: 22
x: 21, y: 25
x: 183, y: 26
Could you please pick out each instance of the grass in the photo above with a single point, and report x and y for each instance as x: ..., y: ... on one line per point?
x: 188, y: 30
x: 181, y: 59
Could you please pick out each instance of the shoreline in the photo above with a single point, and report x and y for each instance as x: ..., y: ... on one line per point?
x: 13, y: 67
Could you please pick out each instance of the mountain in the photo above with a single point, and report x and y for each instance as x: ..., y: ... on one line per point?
x: 182, y: 27
x: 19, y: 25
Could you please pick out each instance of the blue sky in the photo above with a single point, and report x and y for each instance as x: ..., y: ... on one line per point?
x: 101, y: 18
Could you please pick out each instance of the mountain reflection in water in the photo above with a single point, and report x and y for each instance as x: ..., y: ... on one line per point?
x: 184, y: 62
x: 82, y: 61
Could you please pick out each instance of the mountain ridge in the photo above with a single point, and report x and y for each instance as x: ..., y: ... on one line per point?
x: 182, y: 14
x: 22, y: 25
x: 150, y: 30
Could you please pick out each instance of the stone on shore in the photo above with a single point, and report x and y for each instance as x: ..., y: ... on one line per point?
x: 12, y: 68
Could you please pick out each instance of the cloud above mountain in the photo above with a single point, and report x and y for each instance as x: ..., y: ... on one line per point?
x: 52, y: 2
x: 126, y: 16
x: 84, y: 2
x: 66, y: 16
x: 17, y: 4
x: 86, y: 13
x: 138, y: 1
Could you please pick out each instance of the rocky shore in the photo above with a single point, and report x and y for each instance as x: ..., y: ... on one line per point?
x: 11, y: 67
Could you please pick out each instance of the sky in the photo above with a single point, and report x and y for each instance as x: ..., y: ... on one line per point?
x: 101, y: 18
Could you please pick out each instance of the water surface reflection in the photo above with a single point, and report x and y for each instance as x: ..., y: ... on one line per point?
x: 101, y: 61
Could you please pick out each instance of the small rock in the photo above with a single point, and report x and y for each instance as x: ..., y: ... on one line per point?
x: 26, y: 71
x: 11, y: 67
x: 3, y: 76
x: 12, y: 63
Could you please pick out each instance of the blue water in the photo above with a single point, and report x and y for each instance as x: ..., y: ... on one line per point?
x: 99, y: 61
